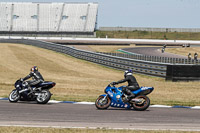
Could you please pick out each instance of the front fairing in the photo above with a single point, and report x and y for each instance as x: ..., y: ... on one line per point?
x: 115, y: 94
x: 18, y: 85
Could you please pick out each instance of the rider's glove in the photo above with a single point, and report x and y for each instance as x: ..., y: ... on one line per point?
x: 114, y: 83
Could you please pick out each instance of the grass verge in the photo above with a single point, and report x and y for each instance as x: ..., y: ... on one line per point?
x: 79, y: 80
x: 150, y: 35
x: 184, y: 51
x: 70, y: 130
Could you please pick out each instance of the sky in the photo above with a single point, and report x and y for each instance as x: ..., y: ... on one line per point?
x: 142, y: 13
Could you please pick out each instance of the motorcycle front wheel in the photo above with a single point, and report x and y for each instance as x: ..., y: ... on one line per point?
x: 43, y: 97
x: 102, y: 103
x: 14, y: 96
x: 143, y: 105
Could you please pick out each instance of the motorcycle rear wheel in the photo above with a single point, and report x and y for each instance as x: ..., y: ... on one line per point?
x: 143, y: 105
x: 102, y: 104
x: 14, y: 96
x: 44, y: 97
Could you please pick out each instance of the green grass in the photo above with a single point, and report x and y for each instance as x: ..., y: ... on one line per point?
x: 150, y: 35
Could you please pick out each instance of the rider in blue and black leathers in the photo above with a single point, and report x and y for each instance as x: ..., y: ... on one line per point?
x: 36, y: 77
x: 132, y: 84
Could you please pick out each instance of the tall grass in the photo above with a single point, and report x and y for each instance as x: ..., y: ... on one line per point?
x: 150, y: 35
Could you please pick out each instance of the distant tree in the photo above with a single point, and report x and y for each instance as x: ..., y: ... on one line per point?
x: 165, y: 37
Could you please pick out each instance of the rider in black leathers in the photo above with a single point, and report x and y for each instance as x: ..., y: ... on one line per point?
x: 36, y: 76
x: 132, y: 84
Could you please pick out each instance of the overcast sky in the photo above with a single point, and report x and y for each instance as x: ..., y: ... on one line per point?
x: 143, y: 13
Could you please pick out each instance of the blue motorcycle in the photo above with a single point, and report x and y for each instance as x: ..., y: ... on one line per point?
x: 40, y: 92
x: 115, y: 97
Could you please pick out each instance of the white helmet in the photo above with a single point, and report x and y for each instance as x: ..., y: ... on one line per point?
x: 128, y: 72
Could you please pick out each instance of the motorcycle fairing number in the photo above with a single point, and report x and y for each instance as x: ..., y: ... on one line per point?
x: 110, y: 93
x: 144, y: 88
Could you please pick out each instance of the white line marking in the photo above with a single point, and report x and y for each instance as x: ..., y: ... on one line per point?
x: 160, y: 106
x: 196, y: 107
x: 54, y: 101
x: 92, y: 103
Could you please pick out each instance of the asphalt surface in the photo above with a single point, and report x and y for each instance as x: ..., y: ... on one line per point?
x: 68, y: 115
x: 153, y: 51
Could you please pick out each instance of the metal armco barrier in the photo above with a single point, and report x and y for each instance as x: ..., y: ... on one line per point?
x: 122, y: 63
x: 126, y: 54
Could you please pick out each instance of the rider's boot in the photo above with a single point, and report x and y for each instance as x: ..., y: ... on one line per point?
x: 130, y: 94
x: 125, y: 99
x: 31, y: 90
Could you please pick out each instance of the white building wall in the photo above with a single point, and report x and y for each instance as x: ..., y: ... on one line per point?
x: 5, y: 16
x: 24, y: 22
x: 91, y: 17
x: 25, y: 17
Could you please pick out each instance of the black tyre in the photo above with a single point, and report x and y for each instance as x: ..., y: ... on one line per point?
x: 143, y: 105
x: 14, y: 96
x: 43, y: 97
x: 102, y: 103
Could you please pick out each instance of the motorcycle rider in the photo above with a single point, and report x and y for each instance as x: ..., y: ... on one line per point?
x: 132, y: 84
x: 36, y: 78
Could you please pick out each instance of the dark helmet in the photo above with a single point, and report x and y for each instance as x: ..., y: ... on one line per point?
x: 128, y: 72
x: 34, y: 68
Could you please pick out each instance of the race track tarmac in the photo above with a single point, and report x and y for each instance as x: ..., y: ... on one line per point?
x: 153, y: 51
x: 68, y: 115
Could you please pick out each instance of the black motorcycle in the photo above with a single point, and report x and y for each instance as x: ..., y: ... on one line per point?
x: 39, y: 93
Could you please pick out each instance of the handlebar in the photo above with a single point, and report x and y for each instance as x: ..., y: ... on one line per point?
x: 22, y: 81
x: 111, y: 84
